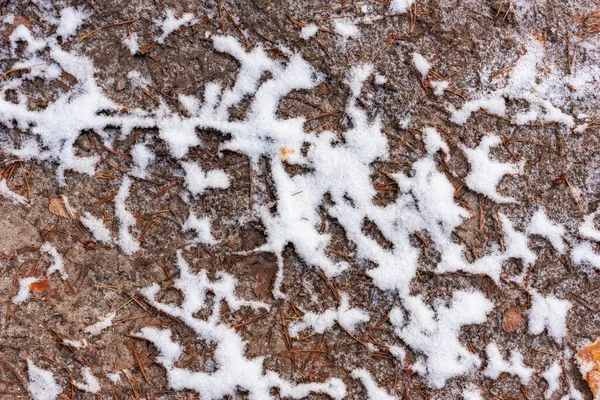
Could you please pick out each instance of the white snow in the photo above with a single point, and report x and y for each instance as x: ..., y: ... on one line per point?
x: 170, y: 23
x: 197, y: 181
x: 202, y: 228
x: 78, y: 344
x: 137, y: 79
x: 548, y: 312
x: 344, y: 315
x: 374, y: 392
x: 439, y: 87
x: 588, y: 229
x: 127, y: 243
x: 9, y: 19
x: 514, y: 366
x: 516, y: 242
x: 42, y: 384
x: 533, y: 81
x: 131, y: 41
x: 235, y: 371
x: 102, y: 324
x: 485, y: 173
x: 142, y: 157
x: 96, y: 227
x: 434, y: 332
x: 309, y: 31
x: 346, y: 29
x: 114, y: 377
x: 552, y: 377
x: 90, y: 383
x: 553, y: 232
x: 23, y: 293
x: 12, y: 196
x: 400, y: 6
x: 22, y: 34
x: 583, y: 253
x: 58, y: 265
x: 472, y: 393
x: 339, y: 165
x: 380, y: 79
x: 434, y: 142
x: 421, y: 64
x: 70, y: 19
x: 493, y: 105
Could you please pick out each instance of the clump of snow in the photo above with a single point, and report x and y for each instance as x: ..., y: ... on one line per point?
x: 309, y: 31
x: 439, y: 87
x: 400, y: 6
x: 170, y: 23
x: 380, y: 79
x: 131, y: 42
x: 127, y: 243
x: 472, y: 393
x: 202, y: 228
x: 421, y: 64
x: 70, y: 19
x: 435, y: 333
x: 493, y: 105
x: 346, y: 29
x: 497, y: 365
x: 9, y: 19
x: 374, y: 392
x: 58, y: 265
x: 485, y: 173
x: 434, y: 142
x: 78, y: 344
x: 23, y: 293
x: 42, y: 384
x: 234, y: 371
x: 197, y: 181
x: 516, y: 242
x: 548, y: 312
x: 583, y: 253
x: 344, y: 315
x: 588, y: 229
x: 142, y: 157
x: 22, y: 34
x: 90, y: 383
x: 102, y: 324
x: 137, y: 79
x: 553, y: 232
x: 96, y: 227
x: 114, y: 377
x: 552, y: 376
x: 8, y: 194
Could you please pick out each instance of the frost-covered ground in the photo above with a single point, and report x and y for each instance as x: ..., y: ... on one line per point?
x: 257, y: 199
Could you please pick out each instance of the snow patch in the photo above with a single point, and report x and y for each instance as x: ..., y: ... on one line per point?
x: 42, y: 384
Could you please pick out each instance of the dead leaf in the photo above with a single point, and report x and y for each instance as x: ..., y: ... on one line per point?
x: 39, y: 286
x: 513, y: 320
x: 57, y: 207
x: 286, y: 153
x: 589, y: 359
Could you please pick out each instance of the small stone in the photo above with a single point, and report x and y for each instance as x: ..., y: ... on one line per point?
x: 589, y: 366
x: 513, y: 320
x: 120, y: 84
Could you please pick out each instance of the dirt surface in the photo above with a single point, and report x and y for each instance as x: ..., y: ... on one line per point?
x: 460, y: 37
